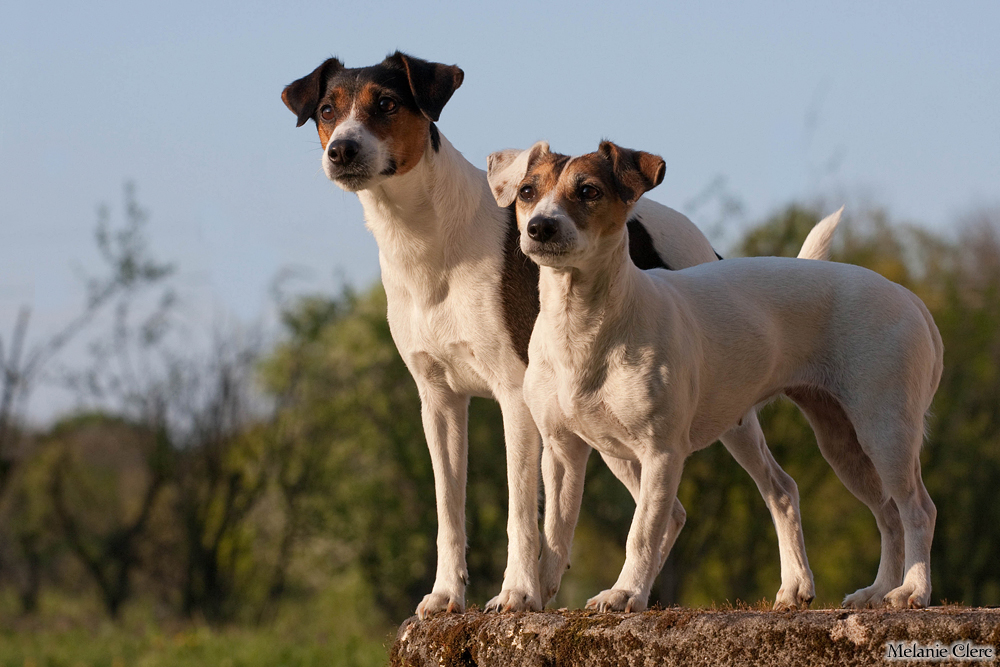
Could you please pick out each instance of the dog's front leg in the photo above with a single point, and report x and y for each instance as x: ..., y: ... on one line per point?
x: 629, y: 473
x: 564, y: 466
x: 445, y: 417
x: 661, y: 474
x: 520, y: 582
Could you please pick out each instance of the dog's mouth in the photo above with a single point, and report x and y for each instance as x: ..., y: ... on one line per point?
x: 546, y: 253
x: 351, y: 179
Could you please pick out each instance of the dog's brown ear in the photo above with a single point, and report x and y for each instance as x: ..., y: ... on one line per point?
x: 302, y: 96
x: 636, y: 171
x: 432, y: 84
x: 506, y: 169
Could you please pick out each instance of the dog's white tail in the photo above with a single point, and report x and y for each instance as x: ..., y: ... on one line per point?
x: 817, y: 244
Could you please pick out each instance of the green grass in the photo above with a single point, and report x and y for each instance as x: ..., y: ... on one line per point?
x: 338, y: 627
x: 193, y: 647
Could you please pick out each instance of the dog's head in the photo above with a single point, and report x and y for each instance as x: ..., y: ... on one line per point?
x: 570, y: 209
x: 374, y: 122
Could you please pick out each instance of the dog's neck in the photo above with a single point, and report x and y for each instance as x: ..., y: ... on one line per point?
x: 419, y: 216
x: 586, y: 308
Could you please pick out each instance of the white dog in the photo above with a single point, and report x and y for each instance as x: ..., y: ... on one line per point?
x: 463, y: 299
x: 650, y: 366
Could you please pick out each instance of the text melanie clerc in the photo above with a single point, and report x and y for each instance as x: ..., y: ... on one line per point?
x: 961, y: 650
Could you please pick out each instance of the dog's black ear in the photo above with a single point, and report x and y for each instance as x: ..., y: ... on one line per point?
x: 302, y: 96
x: 432, y: 84
x: 636, y: 171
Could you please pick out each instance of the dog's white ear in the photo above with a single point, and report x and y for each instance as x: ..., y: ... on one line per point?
x: 505, y: 169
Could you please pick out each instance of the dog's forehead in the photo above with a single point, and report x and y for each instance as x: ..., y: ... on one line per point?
x: 545, y: 169
x: 348, y: 84
x: 555, y: 170
x: 593, y: 165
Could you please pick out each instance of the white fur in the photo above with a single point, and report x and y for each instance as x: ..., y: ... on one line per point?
x: 650, y: 366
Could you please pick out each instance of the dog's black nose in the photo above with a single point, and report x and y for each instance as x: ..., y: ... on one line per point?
x: 542, y: 229
x: 343, y: 151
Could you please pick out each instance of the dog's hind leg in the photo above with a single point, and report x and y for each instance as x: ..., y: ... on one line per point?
x: 894, y: 447
x: 629, y: 474
x: 838, y: 442
x: 746, y: 443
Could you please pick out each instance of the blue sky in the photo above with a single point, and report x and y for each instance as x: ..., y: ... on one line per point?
x: 892, y: 102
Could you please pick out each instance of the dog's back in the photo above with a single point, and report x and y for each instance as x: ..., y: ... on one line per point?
x: 821, y: 321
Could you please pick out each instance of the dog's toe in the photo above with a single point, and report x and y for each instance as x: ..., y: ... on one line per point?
x: 907, y: 597
x: 798, y: 595
x: 866, y: 598
x: 514, y: 600
x: 616, y: 600
x: 438, y: 602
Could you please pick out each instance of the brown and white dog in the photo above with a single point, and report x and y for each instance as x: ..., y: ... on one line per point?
x: 650, y: 366
x: 462, y: 300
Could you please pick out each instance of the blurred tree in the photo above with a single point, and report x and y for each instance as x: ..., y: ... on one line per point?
x: 105, y: 482
x: 962, y: 454
x: 230, y: 483
x: 129, y: 269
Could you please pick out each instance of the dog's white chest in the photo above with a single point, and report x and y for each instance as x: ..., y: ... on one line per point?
x: 613, y: 414
x: 449, y: 336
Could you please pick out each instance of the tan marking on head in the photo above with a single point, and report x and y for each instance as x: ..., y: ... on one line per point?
x: 408, y: 136
x: 542, y: 174
x: 604, y: 215
x: 340, y: 100
x: 405, y: 132
x: 566, y: 178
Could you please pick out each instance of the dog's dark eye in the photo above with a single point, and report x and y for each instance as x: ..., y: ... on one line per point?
x: 589, y: 193
x: 386, y: 105
x: 526, y: 193
x: 326, y: 113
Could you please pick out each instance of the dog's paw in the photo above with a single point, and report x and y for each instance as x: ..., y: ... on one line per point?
x: 514, y: 600
x: 437, y: 602
x: 617, y: 600
x: 907, y: 596
x: 865, y: 598
x: 795, y: 596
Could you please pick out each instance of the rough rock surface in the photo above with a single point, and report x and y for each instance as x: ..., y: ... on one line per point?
x: 687, y: 637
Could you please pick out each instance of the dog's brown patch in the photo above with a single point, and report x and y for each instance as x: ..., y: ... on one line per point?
x: 568, y: 178
x: 405, y: 131
x: 419, y: 88
x: 619, y: 175
x: 409, y: 137
x: 340, y: 99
